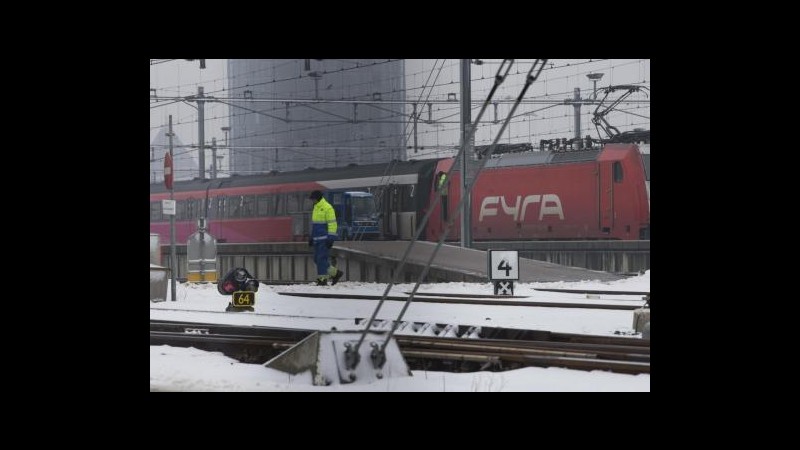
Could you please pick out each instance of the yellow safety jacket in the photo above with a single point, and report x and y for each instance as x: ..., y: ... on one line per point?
x: 323, y: 221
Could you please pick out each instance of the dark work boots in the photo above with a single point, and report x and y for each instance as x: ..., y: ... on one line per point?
x: 336, y: 277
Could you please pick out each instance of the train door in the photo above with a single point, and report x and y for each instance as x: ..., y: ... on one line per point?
x: 390, y: 209
x: 610, y: 173
x: 444, y: 188
x: 438, y: 182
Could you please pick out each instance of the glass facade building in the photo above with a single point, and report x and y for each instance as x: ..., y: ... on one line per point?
x: 290, y: 114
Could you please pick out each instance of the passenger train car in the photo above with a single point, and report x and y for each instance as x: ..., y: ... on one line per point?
x: 597, y: 193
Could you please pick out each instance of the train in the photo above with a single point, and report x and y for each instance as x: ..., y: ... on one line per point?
x: 555, y: 193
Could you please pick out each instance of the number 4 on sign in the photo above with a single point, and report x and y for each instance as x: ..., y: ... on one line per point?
x: 504, y: 266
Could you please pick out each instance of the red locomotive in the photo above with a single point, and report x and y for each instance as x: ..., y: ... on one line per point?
x: 595, y: 194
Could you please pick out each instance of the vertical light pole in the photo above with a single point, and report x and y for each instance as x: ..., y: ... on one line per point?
x: 225, y: 130
x: 577, y: 105
x: 415, y: 116
x: 169, y: 182
x: 468, y: 145
x: 200, y: 131
x: 213, y: 158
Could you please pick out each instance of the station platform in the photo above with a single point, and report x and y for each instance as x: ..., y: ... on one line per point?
x: 454, y: 263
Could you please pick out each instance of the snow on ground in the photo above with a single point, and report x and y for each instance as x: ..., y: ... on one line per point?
x: 195, y: 370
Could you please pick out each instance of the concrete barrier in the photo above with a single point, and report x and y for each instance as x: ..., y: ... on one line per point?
x: 158, y: 283
x: 641, y: 317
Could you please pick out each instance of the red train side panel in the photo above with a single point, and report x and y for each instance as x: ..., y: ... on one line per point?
x: 605, y: 198
x: 259, y: 229
x: 235, y: 230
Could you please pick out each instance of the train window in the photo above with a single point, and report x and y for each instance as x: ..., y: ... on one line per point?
x: 234, y: 206
x: 302, y: 198
x: 204, y: 210
x: 264, y: 205
x: 155, y: 211
x: 248, y: 205
x: 337, y: 198
x: 392, y: 194
x: 407, y: 198
x: 293, y: 203
x: 180, y: 213
x: 191, y: 209
x: 220, y: 210
x: 280, y: 204
x: 617, y: 172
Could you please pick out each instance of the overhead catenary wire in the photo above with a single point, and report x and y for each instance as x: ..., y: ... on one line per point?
x: 381, y: 190
x: 459, y: 207
x: 435, y: 151
x: 553, y: 103
x: 409, y: 89
x: 611, y: 67
x: 554, y: 67
x: 359, y: 66
x: 366, y: 121
x: 436, y: 136
x: 352, y: 356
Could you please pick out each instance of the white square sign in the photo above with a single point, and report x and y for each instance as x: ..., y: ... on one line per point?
x: 503, y: 265
x: 168, y: 207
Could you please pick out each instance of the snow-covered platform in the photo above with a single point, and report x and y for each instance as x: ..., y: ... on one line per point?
x: 454, y: 263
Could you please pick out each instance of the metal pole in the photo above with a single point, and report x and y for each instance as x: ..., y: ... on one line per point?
x: 172, y: 256
x: 200, y: 131
x: 414, y: 114
x: 352, y: 357
x: 213, y: 158
x: 227, y: 149
x: 466, y: 141
x: 577, y: 106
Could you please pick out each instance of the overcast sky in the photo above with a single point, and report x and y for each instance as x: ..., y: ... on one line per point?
x: 532, y: 122
x: 181, y: 78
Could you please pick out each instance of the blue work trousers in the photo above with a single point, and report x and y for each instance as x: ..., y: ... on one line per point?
x: 321, y: 257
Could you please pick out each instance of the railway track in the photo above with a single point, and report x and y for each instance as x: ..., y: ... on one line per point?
x: 455, y: 354
x: 593, y: 291
x: 494, y: 301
